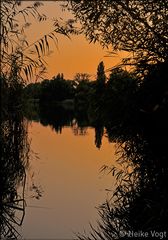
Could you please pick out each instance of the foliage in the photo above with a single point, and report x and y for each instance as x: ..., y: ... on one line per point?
x: 120, y: 95
x: 101, y: 77
x: 81, y: 77
x: 14, y: 161
x: 14, y: 22
x: 13, y: 42
x: 133, y: 26
x: 32, y: 91
x: 154, y: 89
x: 139, y: 202
x: 57, y: 89
x: 103, y: 98
x: 11, y: 91
x: 83, y: 93
x: 97, y: 90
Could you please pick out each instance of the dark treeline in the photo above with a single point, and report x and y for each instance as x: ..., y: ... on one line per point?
x: 121, y: 102
x: 99, y: 99
x: 114, y: 98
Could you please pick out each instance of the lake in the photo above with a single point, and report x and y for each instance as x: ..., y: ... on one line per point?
x: 53, y: 188
x: 68, y: 185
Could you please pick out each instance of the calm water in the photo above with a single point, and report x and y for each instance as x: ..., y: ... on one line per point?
x: 65, y: 170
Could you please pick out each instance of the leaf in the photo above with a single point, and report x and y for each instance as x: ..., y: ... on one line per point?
x: 46, y: 41
x: 41, y: 47
x: 26, y: 72
x: 53, y: 37
x: 37, y: 50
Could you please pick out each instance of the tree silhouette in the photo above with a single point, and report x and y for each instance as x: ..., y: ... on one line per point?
x: 133, y: 26
x: 13, y: 24
x: 81, y: 77
x: 101, y: 77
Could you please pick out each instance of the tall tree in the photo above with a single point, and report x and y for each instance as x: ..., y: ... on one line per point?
x: 101, y: 77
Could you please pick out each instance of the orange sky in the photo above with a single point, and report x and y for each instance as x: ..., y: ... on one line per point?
x: 72, y: 56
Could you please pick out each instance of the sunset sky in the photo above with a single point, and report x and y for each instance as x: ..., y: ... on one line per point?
x: 72, y: 55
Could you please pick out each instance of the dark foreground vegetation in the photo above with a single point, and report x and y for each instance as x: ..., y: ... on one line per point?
x: 14, y: 157
x: 129, y: 107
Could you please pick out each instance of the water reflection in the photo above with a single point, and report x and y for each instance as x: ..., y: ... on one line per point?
x: 68, y: 171
x: 140, y: 202
x: 141, y: 196
x: 57, y: 117
x: 15, y: 151
x: 14, y: 159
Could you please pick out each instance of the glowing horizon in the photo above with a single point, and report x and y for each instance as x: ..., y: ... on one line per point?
x: 75, y: 55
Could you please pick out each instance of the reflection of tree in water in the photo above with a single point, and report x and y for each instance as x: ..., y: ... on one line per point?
x: 78, y: 130
x: 55, y: 116
x: 58, y: 117
x: 99, y: 132
x: 140, y: 202
x: 14, y: 159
